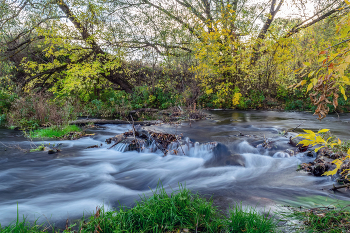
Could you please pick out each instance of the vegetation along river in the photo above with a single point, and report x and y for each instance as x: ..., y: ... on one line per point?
x: 76, y: 180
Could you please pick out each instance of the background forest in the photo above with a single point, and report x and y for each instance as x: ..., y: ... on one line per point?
x: 63, y: 59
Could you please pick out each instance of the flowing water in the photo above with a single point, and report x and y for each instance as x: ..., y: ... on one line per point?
x: 76, y: 180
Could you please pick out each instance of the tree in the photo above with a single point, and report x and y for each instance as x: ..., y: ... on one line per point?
x: 66, y: 50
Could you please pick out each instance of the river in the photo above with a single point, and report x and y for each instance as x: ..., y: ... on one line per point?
x: 77, y: 179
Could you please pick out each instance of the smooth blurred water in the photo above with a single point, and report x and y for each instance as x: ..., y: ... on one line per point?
x: 76, y: 180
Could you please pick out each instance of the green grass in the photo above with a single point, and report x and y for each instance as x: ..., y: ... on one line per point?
x: 54, y: 131
x: 179, y: 211
x: 249, y: 221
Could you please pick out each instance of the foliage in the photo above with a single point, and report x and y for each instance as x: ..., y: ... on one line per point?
x: 7, y: 95
x: 53, y: 131
x: 179, y: 211
x: 330, y: 76
x: 313, y: 139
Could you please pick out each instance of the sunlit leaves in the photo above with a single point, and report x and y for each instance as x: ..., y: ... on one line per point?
x: 313, y: 139
x: 317, y: 139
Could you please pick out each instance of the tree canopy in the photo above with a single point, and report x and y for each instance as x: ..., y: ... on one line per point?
x: 222, y: 45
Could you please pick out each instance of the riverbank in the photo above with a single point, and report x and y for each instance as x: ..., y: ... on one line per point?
x: 179, y: 211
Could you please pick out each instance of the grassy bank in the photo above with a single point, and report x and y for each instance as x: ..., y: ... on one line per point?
x: 181, y: 211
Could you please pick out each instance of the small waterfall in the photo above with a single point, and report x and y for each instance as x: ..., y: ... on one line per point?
x: 121, y: 147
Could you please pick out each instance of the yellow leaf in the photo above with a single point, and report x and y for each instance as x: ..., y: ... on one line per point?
x: 347, y: 2
x: 347, y: 59
x: 339, y: 142
x: 322, y: 58
x: 209, y: 91
x: 311, y: 73
x: 318, y: 148
x: 331, y: 173
x: 319, y: 140
x: 309, y: 131
x: 349, y: 152
x: 323, y: 130
x: 343, y: 92
x: 345, y: 79
x: 309, y: 87
x: 305, y: 142
x: 297, y: 70
x: 300, y: 84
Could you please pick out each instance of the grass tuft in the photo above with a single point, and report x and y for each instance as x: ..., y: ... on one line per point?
x: 54, y: 131
x: 249, y: 221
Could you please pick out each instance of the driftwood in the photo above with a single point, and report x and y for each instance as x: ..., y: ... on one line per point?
x: 104, y: 121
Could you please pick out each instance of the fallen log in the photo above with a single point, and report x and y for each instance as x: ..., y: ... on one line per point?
x: 83, y: 122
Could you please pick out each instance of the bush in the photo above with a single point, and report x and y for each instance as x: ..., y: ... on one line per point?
x: 35, y: 110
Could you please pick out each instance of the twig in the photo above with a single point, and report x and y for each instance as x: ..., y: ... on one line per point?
x: 297, y: 126
x: 114, y: 145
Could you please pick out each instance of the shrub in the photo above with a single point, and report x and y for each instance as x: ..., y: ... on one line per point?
x: 34, y: 110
